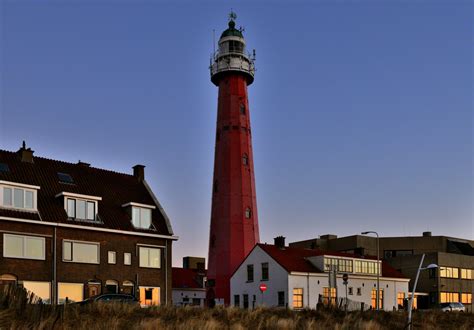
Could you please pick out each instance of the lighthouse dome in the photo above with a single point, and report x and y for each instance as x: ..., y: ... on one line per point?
x: 232, y: 31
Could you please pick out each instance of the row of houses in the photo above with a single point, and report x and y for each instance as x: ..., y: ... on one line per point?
x: 71, y: 231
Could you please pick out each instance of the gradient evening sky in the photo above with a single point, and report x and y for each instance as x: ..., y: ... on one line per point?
x: 362, y: 111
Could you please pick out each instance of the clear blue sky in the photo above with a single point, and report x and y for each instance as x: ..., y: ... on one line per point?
x: 362, y: 111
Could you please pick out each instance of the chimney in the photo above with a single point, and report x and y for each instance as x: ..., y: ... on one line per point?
x: 26, y: 155
x: 426, y: 234
x: 139, y: 172
x: 83, y: 164
x: 279, y: 242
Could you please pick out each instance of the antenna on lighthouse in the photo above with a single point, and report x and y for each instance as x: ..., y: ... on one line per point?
x: 214, y: 41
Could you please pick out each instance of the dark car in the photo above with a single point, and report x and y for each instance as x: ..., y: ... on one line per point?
x: 111, y: 298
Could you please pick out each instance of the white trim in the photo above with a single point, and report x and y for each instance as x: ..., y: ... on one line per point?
x: 68, y: 194
x: 25, y: 233
x: 358, y: 276
x: 116, y: 231
x: 151, y: 245
x: 160, y: 208
x: 16, y: 184
x: 147, y: 206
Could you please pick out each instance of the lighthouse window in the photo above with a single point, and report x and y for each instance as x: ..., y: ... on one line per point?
x: 242, y: 109
x: 236, y: 46
x: 248, y: 213
x: 245, y: 159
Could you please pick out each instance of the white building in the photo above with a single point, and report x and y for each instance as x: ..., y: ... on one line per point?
x: 299, y: 278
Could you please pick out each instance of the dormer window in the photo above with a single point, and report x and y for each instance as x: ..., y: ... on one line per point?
x: 80, y: 207
x: 18, y: 196
x: 141, y: 214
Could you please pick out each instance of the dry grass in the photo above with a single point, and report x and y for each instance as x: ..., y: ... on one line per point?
x: 110, y: 316
x: 16, y: 312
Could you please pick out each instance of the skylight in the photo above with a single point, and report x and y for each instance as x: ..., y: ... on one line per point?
x: 4, y: 168
x: 65, y: 178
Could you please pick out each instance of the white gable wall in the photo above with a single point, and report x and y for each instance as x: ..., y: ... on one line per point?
x: 277, y: 280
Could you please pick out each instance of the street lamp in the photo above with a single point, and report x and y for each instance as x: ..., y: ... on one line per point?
x: 378, y: 268
x: 420, y: 268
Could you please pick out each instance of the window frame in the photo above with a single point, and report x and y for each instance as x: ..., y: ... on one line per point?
x: 298, y: 303
x: 149, y: 248
x: 140, y: 214
x: 11, y: 186
x: 250, y: 270
x: 24, y: 246
x: 125, y: 254
x: 112, y: 254
x: 72, y: 242
x: 267, y: 272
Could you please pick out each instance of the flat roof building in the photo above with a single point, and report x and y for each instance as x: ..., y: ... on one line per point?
x: 453, y: 281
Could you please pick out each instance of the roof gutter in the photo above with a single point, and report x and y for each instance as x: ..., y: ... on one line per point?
x: 115, y: 231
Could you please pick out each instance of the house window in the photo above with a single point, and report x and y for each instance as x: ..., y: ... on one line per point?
x: 449, y: 272
x: 265, y: 271
x: 18, y: 198
x: 237, y: 300
x: 112, y: 257
x: 466, y: 274
x: 70, y: 292
x: 246, y: 300
x: 400, y: 299
x: 329, y: 296
x: 40, y: 289
x: 248, y: 213
x: 359, y: 291
x: 351, y: 290
x: 245, y: 160
x: 24, y: 247
x: 81, y: 209
x: 374, y: 298
x: 297, y: 298
x: 466, y: 298
x: 127, y: 258
x: 111, y: 286
x: 150, y: 257
x: 149, y: 296
x: 141, y: 217
x: 449, y: 297
x: 249, y: 273
x: 281, y: 298
x: 82, y: 252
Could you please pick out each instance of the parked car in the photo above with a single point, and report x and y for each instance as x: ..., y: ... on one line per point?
x: 452, y: 307
x: 111, y: 298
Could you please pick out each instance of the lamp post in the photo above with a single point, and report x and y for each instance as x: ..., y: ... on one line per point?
x: 378, y: 268
x: 420, y: 268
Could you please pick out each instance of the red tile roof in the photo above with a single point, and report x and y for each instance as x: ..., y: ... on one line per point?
x: 295, y: 259
x: 115, y: 189
x: 184, y: 278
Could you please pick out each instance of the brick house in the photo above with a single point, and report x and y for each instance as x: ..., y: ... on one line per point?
x: 70, y: 231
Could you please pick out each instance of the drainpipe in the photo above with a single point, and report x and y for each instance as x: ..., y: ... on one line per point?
x: 54, y: 298
x: 307, y: 288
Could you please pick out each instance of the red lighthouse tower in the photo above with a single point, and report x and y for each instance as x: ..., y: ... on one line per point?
x: 234, y: 221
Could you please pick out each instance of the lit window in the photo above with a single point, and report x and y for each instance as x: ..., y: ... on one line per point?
x: 449, y: 272
x: 18, y: 198
x: 329, y: 296
x: 149, y: 296
x: 141, y: 217
x: 25, y: 247
x: 466, y: 298
x: 466, y: 274
x: 400, y: 299
x: 374, y: 298
x: 83, y: 252
x: 127, y: 258
x: 298, y: 298
x: 248, y: 213
x: 112, y: 257
x: 150, y: 257
x: 70, y: 292
x: 449, y: 297
x: 40, y: 289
